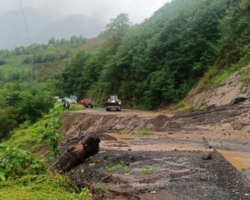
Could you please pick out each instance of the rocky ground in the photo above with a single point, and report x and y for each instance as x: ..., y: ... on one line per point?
x: 194, y: 155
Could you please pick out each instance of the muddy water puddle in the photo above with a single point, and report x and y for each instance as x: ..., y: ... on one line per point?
x: 125, y: 142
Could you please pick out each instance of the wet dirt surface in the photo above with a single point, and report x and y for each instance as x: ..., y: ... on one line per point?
x: 102, y: 111
x: 174, y: 152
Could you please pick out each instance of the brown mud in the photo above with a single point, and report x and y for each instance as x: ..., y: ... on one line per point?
x: 174, y: 152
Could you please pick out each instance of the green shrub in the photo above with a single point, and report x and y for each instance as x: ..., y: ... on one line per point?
x: 8, y: 120
x: 179, y: 105
x: 18, y: 162
x: 51, y: 136
x: 3, y: 62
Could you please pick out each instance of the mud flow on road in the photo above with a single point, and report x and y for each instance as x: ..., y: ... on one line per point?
x: 193, y: 155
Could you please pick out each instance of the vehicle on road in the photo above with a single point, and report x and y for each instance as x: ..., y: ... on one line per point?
x: 69, y: 100
x: 87, y: 103
x: 113, y: 103
x: 74, y: 99
x: 58, y: 99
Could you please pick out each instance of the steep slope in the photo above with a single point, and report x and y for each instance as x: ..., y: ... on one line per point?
x: 233, y: 86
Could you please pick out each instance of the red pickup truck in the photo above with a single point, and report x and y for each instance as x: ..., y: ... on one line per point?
x: 87, y: 103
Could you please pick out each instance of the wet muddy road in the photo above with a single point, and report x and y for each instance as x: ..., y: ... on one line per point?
x: 123, y: 112
x: 172, y: 149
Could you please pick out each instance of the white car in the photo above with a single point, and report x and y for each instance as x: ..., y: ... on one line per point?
x: 58, y: 99
x: 69, y: 100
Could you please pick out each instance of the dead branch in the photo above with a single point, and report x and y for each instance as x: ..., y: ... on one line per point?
x: 107, y: 177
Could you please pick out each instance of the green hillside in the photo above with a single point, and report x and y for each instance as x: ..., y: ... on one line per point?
x: 47, y: 61
x: 185, y: 43
x: 14, y: 65
x: 161, y: 59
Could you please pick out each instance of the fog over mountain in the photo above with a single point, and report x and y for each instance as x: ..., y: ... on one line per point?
x: 64, y: 18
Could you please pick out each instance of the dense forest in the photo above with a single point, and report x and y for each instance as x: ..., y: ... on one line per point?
x: 161, y: 59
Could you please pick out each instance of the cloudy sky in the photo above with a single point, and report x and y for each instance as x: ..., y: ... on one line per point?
x: 138, y: 9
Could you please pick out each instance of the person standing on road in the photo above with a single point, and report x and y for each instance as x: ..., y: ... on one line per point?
x: 68, y: 106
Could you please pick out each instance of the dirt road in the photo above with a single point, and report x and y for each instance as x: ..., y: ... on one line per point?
x: 172, y: 147
x: 123, y: 112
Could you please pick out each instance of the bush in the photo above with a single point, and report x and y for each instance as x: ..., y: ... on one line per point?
x: 33, y: 106
x: 3, y: 62
x: 17, y: 162
x: 51, y: 137
x: 8, y: 120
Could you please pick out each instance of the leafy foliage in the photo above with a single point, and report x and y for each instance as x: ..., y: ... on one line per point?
x: 18, y: 105
x: 17, y: 162
x: 51, y: 136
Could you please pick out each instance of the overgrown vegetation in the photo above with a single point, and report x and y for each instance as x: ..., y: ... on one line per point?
x: 18, y: 163
x: 40, y: 187
x: 19, y: 104
x: 20, y: 167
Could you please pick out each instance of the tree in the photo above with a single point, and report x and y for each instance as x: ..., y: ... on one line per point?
x: 51, y: 47
x: 52, y: 41
x: 116, y: 29
x: 63, y: 42
x: 74, y: 41
x: 81, y: 40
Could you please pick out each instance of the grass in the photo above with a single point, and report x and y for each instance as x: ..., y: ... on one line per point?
x: 214, y: 76
x: 186, y: 108
x: 197, y: 108
x: 127, y: 169
x: 179, y: 105
x: 113, y: 168
x: 27, y: 135
x: 141, y: 133
x: 76, y: 107
x: 110, y: 167
x: 146, y: 170
x: 40, y: 187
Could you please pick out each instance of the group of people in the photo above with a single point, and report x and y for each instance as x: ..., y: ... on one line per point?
x: 66, y: 105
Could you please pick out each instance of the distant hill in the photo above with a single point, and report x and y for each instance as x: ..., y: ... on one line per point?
x: 72, y: 25
x: 44, y: 24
